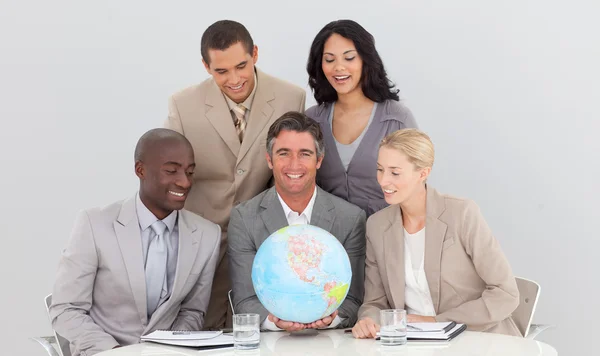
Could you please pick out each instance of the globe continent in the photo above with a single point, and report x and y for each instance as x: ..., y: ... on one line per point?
x: 301, y: 273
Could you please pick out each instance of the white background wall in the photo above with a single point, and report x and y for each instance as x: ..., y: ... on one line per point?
x: 507, y: 90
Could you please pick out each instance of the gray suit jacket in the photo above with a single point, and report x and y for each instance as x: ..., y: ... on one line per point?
x: 359, y: 184
x: 99, y: 297
x: 256, y: 219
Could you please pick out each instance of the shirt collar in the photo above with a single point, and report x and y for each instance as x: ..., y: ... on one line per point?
x: 307, y: 211
x: 246, y: 103
x: 146, y: 218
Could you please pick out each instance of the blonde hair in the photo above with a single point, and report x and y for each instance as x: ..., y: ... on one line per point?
x: 415, y: 144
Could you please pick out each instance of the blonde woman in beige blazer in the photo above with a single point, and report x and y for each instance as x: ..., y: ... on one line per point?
x: 466, y: 276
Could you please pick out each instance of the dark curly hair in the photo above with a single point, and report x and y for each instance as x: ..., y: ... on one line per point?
x: 374, y: 81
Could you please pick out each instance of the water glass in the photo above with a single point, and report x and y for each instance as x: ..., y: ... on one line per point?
x: 246, y: 331
x: 393, y: 327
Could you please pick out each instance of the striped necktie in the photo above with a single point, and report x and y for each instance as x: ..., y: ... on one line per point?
x: 240, y: 121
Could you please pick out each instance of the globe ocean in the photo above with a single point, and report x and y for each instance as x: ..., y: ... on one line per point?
x: 301, y: 273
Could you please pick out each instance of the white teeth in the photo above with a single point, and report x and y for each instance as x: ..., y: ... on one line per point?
x: 294, y: 176
x: 389, y: 191
x: 176, y: 194
x: 342, y: 77
x: 238, y: 87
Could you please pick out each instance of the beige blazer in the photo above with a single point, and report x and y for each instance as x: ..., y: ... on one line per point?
x: 469, y: 277
x: 228, y: 172
x: 99, y: 297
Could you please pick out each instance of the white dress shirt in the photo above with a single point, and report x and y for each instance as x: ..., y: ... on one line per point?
x: 146, y: 218
x: 417, y: 296
x: 293, y: 218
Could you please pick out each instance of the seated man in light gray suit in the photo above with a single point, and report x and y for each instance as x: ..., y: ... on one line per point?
x: 294, y: 153
x: 140, y: 264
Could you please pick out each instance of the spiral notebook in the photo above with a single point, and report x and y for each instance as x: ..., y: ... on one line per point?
x: 199, y: 339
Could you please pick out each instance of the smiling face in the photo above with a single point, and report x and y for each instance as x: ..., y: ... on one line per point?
x: 166, y: 177
x: 233, y: 70
x: 341, y: 64
x: 294, y: 163
x: 399, y: 178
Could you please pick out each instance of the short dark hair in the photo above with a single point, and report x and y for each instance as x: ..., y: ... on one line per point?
x: 222, y: 35
x: 374, y: 81
x: 298, y: 122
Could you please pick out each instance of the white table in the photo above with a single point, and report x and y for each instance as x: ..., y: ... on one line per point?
x: 335, y: 342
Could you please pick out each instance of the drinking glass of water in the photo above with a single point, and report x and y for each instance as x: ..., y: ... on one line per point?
x: 393, y: 327
x: 246, y: 331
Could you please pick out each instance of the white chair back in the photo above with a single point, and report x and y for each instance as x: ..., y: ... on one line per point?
x: 63, y: 344
x: 529, y: 293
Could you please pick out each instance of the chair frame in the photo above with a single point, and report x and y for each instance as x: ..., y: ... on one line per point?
x: 533, y: 330
x: 62, y: 345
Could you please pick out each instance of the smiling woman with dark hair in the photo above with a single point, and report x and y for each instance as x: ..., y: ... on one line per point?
x: 357, y: 107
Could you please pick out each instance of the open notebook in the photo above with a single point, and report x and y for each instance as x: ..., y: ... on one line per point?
x: 442, y: 331
x: 202, y: 339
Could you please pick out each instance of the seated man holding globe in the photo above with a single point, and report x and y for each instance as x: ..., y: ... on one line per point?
x: 308, y: 265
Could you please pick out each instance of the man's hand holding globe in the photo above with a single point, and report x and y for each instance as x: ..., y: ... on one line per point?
x: 295, y: 326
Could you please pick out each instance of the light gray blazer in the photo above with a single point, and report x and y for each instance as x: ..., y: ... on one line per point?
x: 99, y: 297
x: 359, y: 184
x: 256, y: 219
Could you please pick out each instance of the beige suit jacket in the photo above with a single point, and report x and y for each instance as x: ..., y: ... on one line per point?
x: 227, y: 172
x: 469, y: 277
x: 99, y: 297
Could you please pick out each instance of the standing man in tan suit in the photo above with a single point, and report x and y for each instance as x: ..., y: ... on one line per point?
x: 226, y: 118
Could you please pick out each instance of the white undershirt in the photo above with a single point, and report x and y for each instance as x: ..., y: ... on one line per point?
x: 293, y: 218
x: 416, y: 246
x: 417, y: 297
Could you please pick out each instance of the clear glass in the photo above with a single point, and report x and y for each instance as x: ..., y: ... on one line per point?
x: 393, y: 327
x: 246, y: 331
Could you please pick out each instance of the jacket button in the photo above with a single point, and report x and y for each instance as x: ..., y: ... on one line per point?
x: 240, y: 172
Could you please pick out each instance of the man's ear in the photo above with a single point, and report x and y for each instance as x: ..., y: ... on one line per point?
x: 269, y: 162
x: 255, y: 54
x: 206, y: 66
x: 320, y: 160
x: 140, y: 170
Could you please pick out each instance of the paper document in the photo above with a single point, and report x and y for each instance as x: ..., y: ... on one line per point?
x: 441, y: 327
x: 428, y: 335
x: 189, y: 338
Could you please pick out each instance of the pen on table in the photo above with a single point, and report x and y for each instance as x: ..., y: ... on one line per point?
x: 186, y: 332
x: 413, y: 328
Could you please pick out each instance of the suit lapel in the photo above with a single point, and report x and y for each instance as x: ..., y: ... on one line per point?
x: 434, y: 240
x: 393, y: 244
x: 189, y: 243
x: 127, y: 229
x: 272, y: 214
x: 260, y: 113
x: 219, y: 116
x: 323, y: 211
